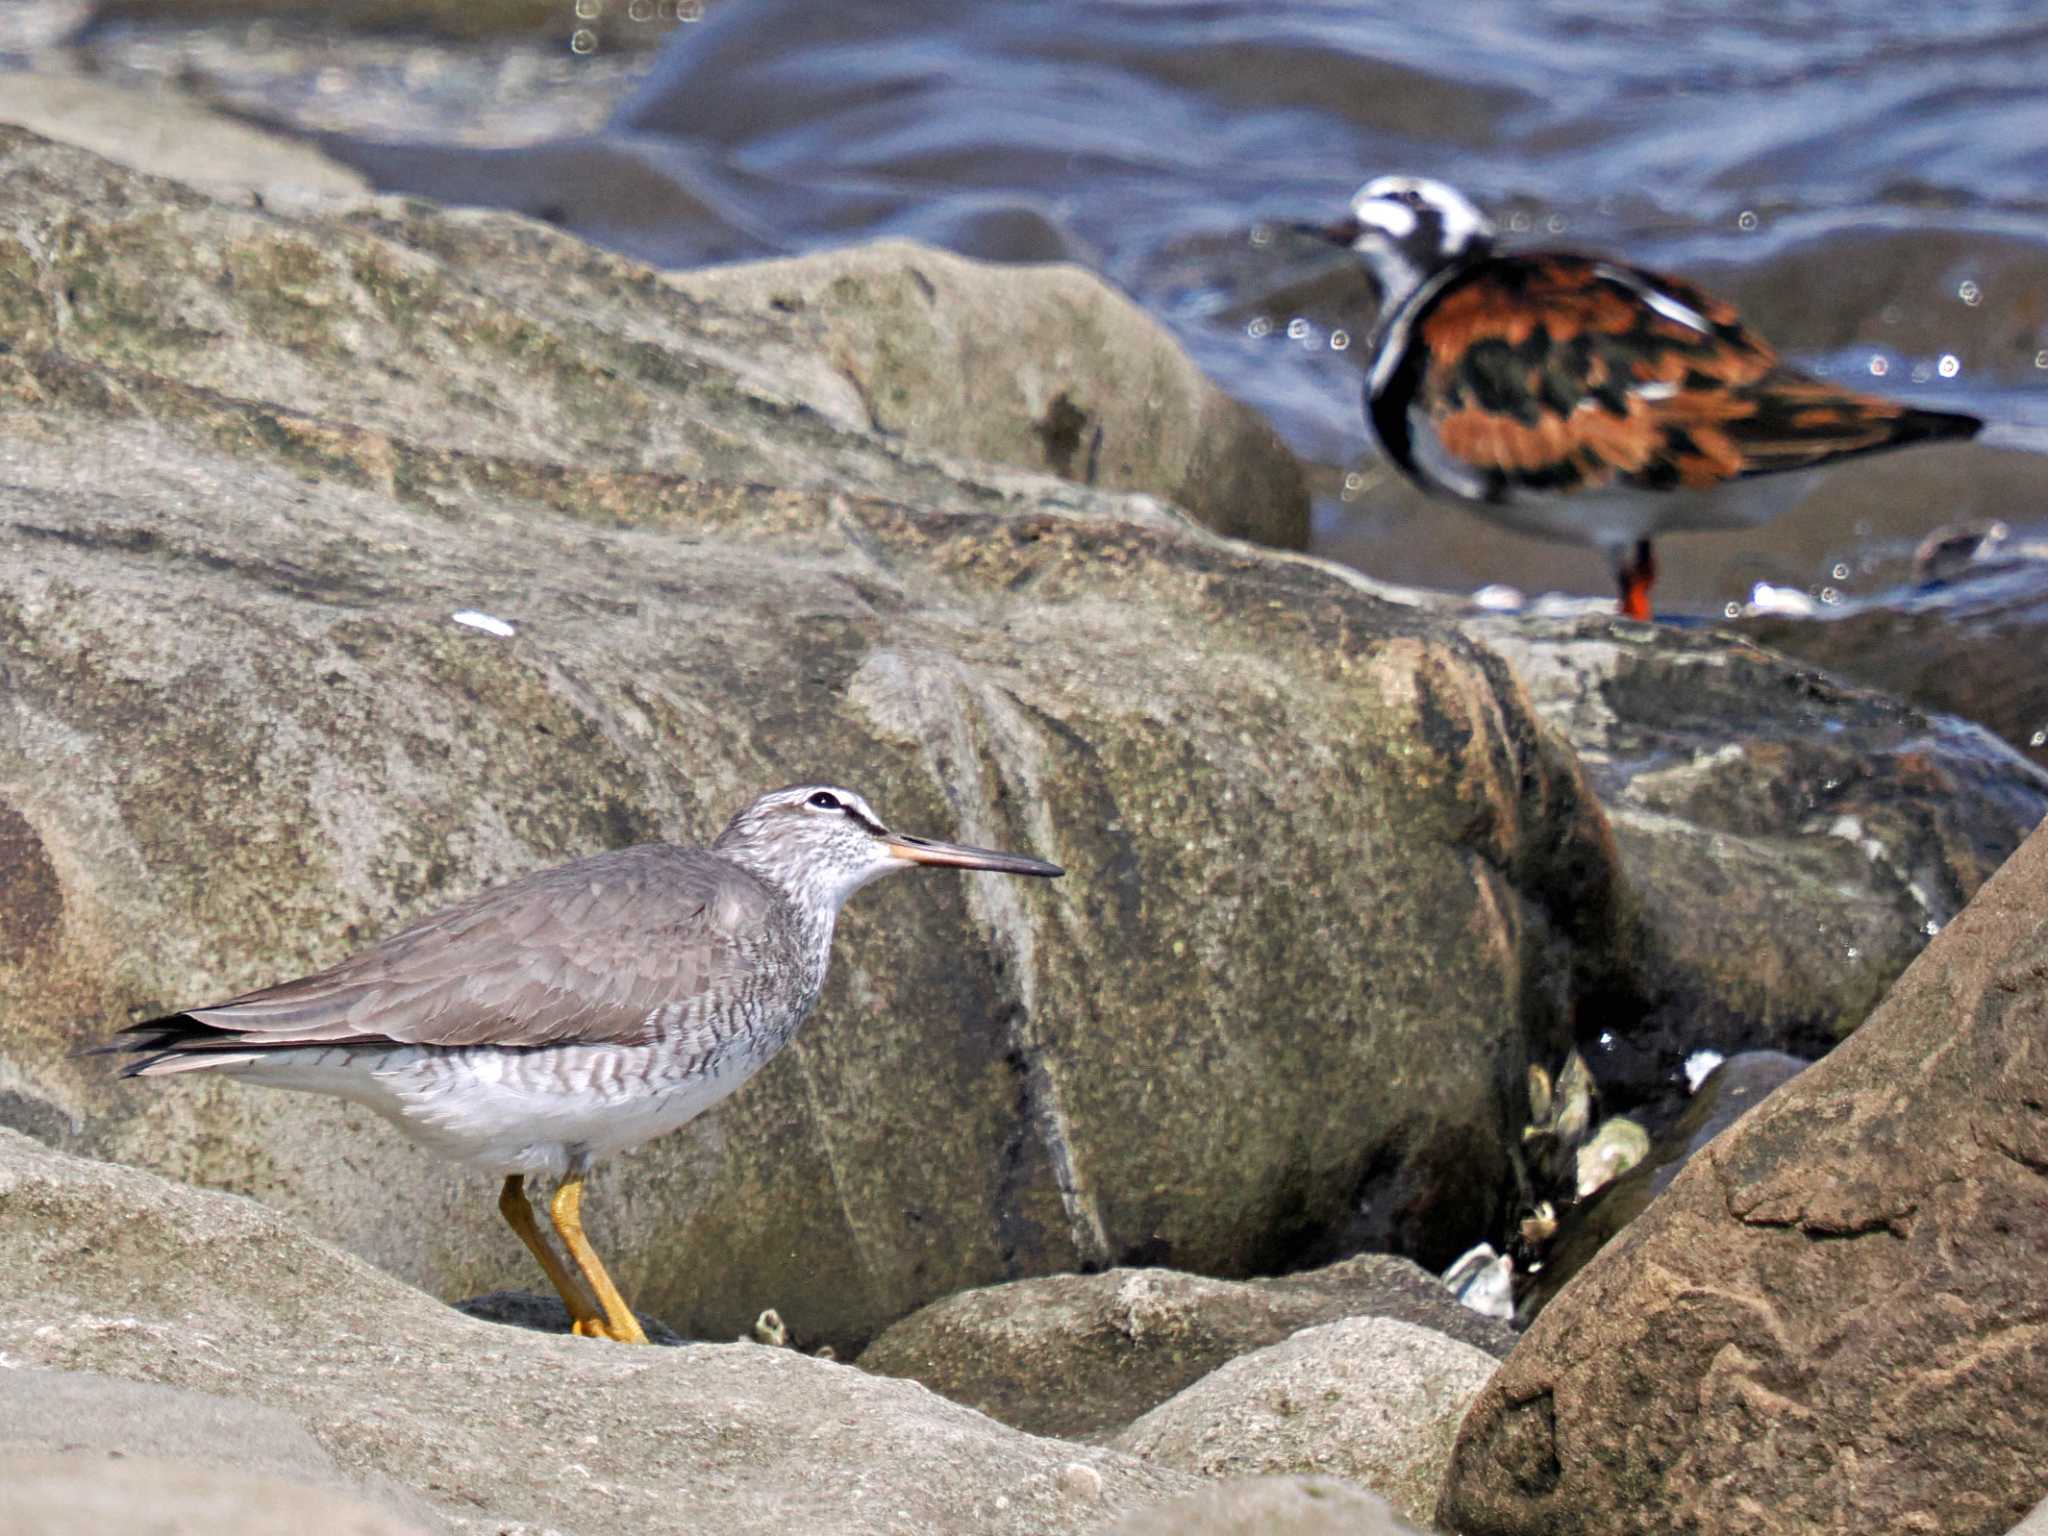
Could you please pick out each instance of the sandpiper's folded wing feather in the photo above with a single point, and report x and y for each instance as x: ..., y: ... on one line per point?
x: 583, y: 953
x: 1565, y: 373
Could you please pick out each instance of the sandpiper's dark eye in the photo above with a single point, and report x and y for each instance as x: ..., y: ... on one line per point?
x: 825, y: 802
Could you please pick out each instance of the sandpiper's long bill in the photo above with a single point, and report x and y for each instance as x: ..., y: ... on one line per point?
x: 575, y: 1012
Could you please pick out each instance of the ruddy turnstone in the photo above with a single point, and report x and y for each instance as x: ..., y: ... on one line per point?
x: 574, y: 1012
x: 1582, y: 399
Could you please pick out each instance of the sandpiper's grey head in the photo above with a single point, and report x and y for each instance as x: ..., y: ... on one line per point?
x: 1404, y: 228
x: 820, y: 843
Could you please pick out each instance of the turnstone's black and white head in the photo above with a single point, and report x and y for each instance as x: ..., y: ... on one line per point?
x: 1586, y: 400
x: 1407, y: 228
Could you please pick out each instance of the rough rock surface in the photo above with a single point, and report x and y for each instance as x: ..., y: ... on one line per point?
x: 1270, y: 1506
x: 90, y: 1417
x: 1081, y: 1356
x: 1789, y: 843
x: 1371, y: 1399
x: 82, y: 1494
x: 256, y: 463
x: 1836, y: 1318
x: 112, y: 1270
x: 1055, y: 373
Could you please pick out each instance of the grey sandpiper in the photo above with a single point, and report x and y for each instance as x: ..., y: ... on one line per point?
x: 574, y: 1012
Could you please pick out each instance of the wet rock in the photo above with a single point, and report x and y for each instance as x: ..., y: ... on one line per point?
x: 1727, y: 1093
x: 1056, y: 372
x: 1371, y: 1399
x: 1826, y: 1323
x: 114, y: 1271
x: 82, y: 1494
x: 1969, y: 645
x: 257, y: 465
x: 1789, y: 842
x: 1081, y: 1356
x: 608, y: 25
x: 1270, y: 1506
x: 167, y: 133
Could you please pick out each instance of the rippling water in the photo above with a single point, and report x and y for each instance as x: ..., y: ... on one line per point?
x: 1868, y: 179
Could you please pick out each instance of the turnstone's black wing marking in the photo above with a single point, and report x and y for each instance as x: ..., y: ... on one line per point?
x: 1553, y: 373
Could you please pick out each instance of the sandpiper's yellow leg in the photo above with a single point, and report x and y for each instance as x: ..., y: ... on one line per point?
x: 518, y: 1213
x: 618, y: 1322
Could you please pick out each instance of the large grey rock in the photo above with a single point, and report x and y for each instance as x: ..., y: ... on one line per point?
x: 1371, y: 1399
x: 115, y: 1271
x: 1830, y: 1322
x: 1270, y: 1506
x: 83, y: 1494
x: 1788, y: 843
x: 1081, y: 1356
x: 1055, y: 372
x: 89, y: 1417
x: 256, y: 463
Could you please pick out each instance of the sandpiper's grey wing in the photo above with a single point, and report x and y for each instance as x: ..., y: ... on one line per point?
x: 583, y: 953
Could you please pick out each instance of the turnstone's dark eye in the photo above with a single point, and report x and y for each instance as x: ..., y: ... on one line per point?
x: 825, y: 802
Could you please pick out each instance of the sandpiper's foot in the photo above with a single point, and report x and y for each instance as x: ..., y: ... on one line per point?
x: 518, y: 1213
x: 618, y: 1322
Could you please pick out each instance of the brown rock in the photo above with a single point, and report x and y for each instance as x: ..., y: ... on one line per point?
x: 1832, y: 1320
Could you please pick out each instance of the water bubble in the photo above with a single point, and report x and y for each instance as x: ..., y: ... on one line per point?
x: 2041, y: 359
x: 1840, y: 572
x: 1354, y: 481
x: 585, y: 41
x: 1731, y: 610
x: 1950, y: 365
x: 1830, y: 595
x: 1259, y: 328
x: 2038, y: 739
x: 1891, y: 314
x: 689, y: 10
x: 1879, y: 367
x: 641, y: 11
x: 1922, y: 373
x: 1970, y: 293
x: 1745, y: 219
x: 1519, y: 223
x: 1297, y: 329
x: 1262, y: 235
x: 1339, y: 340
x: 1554, y: 224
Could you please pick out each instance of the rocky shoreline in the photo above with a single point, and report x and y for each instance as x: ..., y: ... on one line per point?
x: 1120, y: 1172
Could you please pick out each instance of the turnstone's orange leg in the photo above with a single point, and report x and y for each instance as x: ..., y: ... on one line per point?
x: 518, y: 1213
x: 1635, y: 578
x: 618, y: 1321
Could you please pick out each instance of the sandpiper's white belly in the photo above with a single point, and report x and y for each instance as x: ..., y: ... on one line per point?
x: 528, y: 1111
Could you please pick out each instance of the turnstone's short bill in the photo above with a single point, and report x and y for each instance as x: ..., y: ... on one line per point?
x: 1585, y: 400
